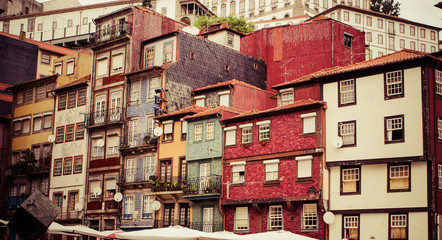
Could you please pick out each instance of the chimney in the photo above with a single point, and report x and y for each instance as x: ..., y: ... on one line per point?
x: 146, y: 3
x: 22, y: 35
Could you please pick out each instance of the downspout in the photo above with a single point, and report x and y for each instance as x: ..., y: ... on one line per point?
x: 332, y: 47
x: 221, y: 210
x: 324, y: 160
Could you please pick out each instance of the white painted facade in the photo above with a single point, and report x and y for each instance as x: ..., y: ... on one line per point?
x: 386, y: 34
x: 225, y: 38
x: 374, y: 201
x: 159, y: 47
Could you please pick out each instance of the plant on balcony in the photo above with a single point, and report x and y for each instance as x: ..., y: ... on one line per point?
x: 28, y: 164
x: 147, y: 139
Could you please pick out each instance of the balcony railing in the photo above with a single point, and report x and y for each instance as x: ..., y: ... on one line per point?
x: 138, y: 140
x: 112, y: 32
x: 113, y: 115
x: 69, y: 215
x: 133, y: 175
x: 207, y: 227
x: 203, y: 185
x: 14, y: 201
x: 167, y: 223
x: 168, y: 184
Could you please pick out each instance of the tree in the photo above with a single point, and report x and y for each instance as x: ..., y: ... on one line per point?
x: 385, y: 6
x: 237, y: 24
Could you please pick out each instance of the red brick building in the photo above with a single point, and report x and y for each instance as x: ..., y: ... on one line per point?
x: 293, y: 51
x: 273, y: 165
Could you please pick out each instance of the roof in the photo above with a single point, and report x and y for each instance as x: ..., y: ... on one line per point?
x: 43, y: 46
x: 184, y: 111
x: 226, y: 83
x: 73, y: 9
x: 396, y: 57
x: 301, y: 104
x: 214, y: 111
x: 283, y: 19
x: 78, y: 82
x: 31, y: 81
x: 378, y: 14
x: 159, y: 14
x: 223, y: 26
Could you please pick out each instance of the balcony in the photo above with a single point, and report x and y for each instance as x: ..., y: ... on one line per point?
x: 142, y: 141
x: 14, y: 201
x: 201, y: 226
x: 174, y: 222
x: 69, y: 216
x: 168, y: 185
x: 203, y: 188
x: 105, y: 117
x: 113, y: 32
x: 137, y: 176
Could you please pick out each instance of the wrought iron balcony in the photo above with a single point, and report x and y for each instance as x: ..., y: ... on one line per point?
x: 168, y: 184
x: 167, y: 223
x: 137, y: 175
x: 203, y: 185
x: 138, y: 140
x: 111, y: 32
x: 110, y: 116
x: 207, y: 227
x: 14, y: 201
x: 69, y: 215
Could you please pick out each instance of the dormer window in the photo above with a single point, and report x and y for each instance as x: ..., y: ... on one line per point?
x: 287, y: 96
x: 230, y: 39
x: 224, y: 98
x: 200, y: 100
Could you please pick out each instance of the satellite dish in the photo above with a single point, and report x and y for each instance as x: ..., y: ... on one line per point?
x: 156, y: 205
x: 78, y: 207
x: 97, y: 190
x: 158, y: 131
x: 191, y: 30
x: 118, y: 197
x: 100, y: 143
x: 329, y: 217
x: 337, y: 142
x: 51, y: 138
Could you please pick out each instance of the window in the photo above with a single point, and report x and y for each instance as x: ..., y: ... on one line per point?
x: 347, y: 40
x: 401, y: 28
x: 49, y: 88
x: 200, y: 101
x: 85, y: 21
x: 128, y: 207
x: 230, y: 135
x: 398, y: 226
x: 57, y: 167
x: 110, y: 186
x: 81, y: 97
x: 37, y: 123
x: 246, y: 133
x: 391, y: 43
x: 271, y: 170
x: 79, y: 131
x: 263, y: 130
x: 150, y: 57
x: 242, y: 219
x: 147, y: 207
x: 412, y: 45
x: 433, y: 49
x: 183, y: 130
x: 347, y: 131
x: 369, y: 21
x: 423, y: 47
x: 350, y: 180
x: 183, y: 169
x: 380, y: 39
x: 97, y: 151
x: 439, y: 171
x: 347, y: 92
x: 67, y: 167
x: 210, y: 131
x: 230, y: 39
x: 275, y: 218
x: 78, y: 164
x: 6, y: 26
x: 28, y: 95
x: 394, y: 84
x: 223, y: 10
x: 350, y: 227
x: 69, y: 133
x: 40, y: 93
x: 368, y: 37
x: 117, y: 61
x: 309, y: 216
x: 402, y: 43
x: 198, y: 132
x: 394, y: 129
x: 380, y: 23
x: 61, y: 102
x: 439, y: 128
x: 242, y: 6
x: 19, y: 98
x: 233, y: 6
x: 70, y: 66
x: 167, y: 52
x: 154, y: 83
x: 17, y: 127
x: 47, y: 120
x: 224, y: 98
x: 58, y: 199
x: 72, y: 97
x: 399, y: 177
x: 358, y: 18
x: 36, y: 151
x: 164, y: 10
x: 433, y: 35
x: 346, y: 16
x: 58, y: 68
x: 287, y: 96
x: 168, y: 130
x: 102, y: 66
x: 93, y: 186
x: 238, y: 172
x: 308, y: 123
x: 26, y: 126
x: 304, y: 166
x: 412, y: 31
x: 135, y: 92
x: 422, y: 31
x: 59, y: 134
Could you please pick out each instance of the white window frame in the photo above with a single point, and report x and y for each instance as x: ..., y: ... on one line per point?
x: 263, y: 130
x: 310, y: 216
x: 224, y: 98
x: 238, y: 172
x: 276, y: 215
x: 439, y: 171
x: 241, y: 219
x: 438, y: 80
x: 347, y: 131
x: 230, y: 133
x: 347, y: 91
x: 92, y: 185
x: 135, y: 89
x: 399, y: 172
x: 147, y: 206
x: 271, y: 170
x: 200, y: 100
x: 117, y: 66
x: 351, y: 222
x: 394, y: 82
x: 70, y: 66
x: 308, y: 123
x: 351, y: 175
x: 246, y: 133
x: 210, y: 131
x: 154, y: 83
x: 128, y: 207
x: 58, y: 68
x: 168, y: 52
x: 394, y: 124
x: 149, y: 57
x: 198, y: 132
x: 439, y: 128
x: 304, y: 166
x: 287, y: 96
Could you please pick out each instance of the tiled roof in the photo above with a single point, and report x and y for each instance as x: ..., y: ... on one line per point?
x: 184, y: 111
x: 79, y: 80
x: 43, y: 46
x: 396, y: 57
x: 212, y: 111
x: 226, y: 83
x: 158, y: 14
x: 4, y: 97
x: 297, y: 104
x: 31, y: 81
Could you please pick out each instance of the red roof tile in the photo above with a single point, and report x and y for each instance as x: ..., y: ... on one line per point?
x: 297, y: 104
x: 4, y: 97
x: 43, y: 46
x: 212, y: 111
x: 187, y: 110
x: 226, y: 83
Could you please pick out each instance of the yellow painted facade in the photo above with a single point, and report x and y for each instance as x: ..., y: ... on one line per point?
x: 82, y: 67
x: 173, y: 149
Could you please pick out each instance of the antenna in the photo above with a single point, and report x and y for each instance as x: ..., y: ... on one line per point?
x: 285, y: 68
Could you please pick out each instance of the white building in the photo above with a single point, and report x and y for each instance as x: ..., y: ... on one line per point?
x: 385, y: 33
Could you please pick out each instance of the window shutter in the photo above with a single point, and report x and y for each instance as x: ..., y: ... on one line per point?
x: 272, y: 167
x: 224, y: 100
x: 111, y: 183
x: 304, y: 166
x: 184, y: 127
x: 117, y: 62
x: 238, y: 168
x: 230, y: 137
x: 167, y: 128
x: 102, y: 66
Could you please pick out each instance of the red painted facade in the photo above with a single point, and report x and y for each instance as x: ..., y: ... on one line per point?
x: 287, y: 142
x: 243, y: 94
x: 304, y: 48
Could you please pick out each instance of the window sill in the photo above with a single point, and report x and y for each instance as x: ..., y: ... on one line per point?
x: 308, y: 134
x: 238, y: 184
x: 166, y: 141
x: 310, y: 230
x: 271, y: 183
x: 241, y: 231
x: 394, y: 141
x: 398, y: 190
x: 305, y: 180
x: 350, y: 193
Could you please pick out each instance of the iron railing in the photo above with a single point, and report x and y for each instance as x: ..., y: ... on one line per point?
x: 69, y: 215
x: 203, y: 185
x: 113, y: 115
x: 111, y: 32
x: 174, y: 222
x: 138, y: 140
x: 132, y: 175
x: 207, y: 227
x: 168, y: 184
